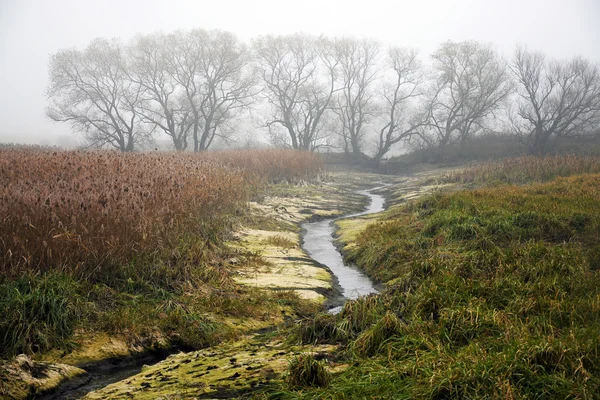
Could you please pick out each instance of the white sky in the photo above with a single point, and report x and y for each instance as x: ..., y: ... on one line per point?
x: 31, y: 30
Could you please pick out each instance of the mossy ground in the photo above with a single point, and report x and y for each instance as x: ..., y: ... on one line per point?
x: 22, y: 377
x: 281, y: 263
x: 229, y: 370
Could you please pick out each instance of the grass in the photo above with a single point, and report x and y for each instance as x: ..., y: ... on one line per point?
x: 280, y: 241
x: 38, y: 314
x: 490, y: 293
x: 304, y: 370
x: 129, y: 244
x: 527, y: 169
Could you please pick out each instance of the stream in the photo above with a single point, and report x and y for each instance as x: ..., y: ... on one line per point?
x: 319, y: 244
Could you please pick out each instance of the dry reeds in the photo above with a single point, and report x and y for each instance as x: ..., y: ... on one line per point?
x: 87, y: 212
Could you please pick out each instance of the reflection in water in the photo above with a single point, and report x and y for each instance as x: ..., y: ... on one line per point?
x: 318, y: 243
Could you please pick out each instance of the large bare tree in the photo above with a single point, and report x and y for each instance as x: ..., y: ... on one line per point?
x: 298, y: 75
x: 557, y: 99
x: 358, y: 66
x: 162, y: 104
x: 90, y: 90
x: 401, y: 86
x: 471, y: 82
x: 211, y: 68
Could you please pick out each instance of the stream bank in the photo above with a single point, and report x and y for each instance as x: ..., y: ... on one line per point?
x: 271, y: 236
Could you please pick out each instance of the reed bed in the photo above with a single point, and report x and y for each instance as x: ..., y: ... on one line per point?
x: 84, y: 212
x: 272, y: 165
x: 105, y: 241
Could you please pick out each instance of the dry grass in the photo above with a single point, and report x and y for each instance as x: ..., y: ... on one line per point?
x: 272, y: 165
x: 105, y: 241
x: 85, y: 212
x: 527, y: 169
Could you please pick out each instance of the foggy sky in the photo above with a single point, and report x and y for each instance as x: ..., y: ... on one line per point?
x: 31, y: 30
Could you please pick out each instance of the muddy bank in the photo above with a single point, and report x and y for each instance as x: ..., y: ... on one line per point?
x: 102, y: 374
x: 275, y: 236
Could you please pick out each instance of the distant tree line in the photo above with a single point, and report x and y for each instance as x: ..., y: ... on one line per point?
x: 311, y: 93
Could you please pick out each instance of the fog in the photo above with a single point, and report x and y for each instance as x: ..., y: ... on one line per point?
x: 30, y: 31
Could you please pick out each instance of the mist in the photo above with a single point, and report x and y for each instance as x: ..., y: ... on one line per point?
x: 31, y: 31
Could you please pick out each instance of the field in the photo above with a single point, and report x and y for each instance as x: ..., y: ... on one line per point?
x: 492, y: 292
x: 107, y: 242
x: 522, y: 170
x: 491, y: 286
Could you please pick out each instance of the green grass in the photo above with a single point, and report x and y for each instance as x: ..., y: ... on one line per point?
x: 491, y: 293
x: 37, y: 314
x: 305, y: 370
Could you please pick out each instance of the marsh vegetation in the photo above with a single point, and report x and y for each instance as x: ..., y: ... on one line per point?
x: 491, y: 285
x: 491, y: 292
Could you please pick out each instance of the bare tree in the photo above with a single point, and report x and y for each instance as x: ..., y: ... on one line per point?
x: 298, y: 73
x: 90, y: 90
x: 357, y: 63
x: 162, y: 104
x: 211, y: 68
x: 557, y: 99
x: 401, y: 86
x: 471, y: 84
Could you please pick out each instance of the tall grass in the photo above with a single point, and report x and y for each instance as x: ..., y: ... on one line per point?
x: 84, y: 234
x: 305, y: 370
x: 527, y: 169
x: 272, y: 165
x: 37, y: 314
x: 85, y: 212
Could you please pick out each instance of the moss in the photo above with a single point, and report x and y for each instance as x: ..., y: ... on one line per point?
x: 283, y: 265
x: 22, y: 377
x: 232, y: 367
x: 350, y: 228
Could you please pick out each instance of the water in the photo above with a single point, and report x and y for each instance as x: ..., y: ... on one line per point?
x: 318, y: 243
x: 102, y: 376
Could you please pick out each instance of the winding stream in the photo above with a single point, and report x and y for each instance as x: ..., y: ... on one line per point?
x: 318, y: 243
